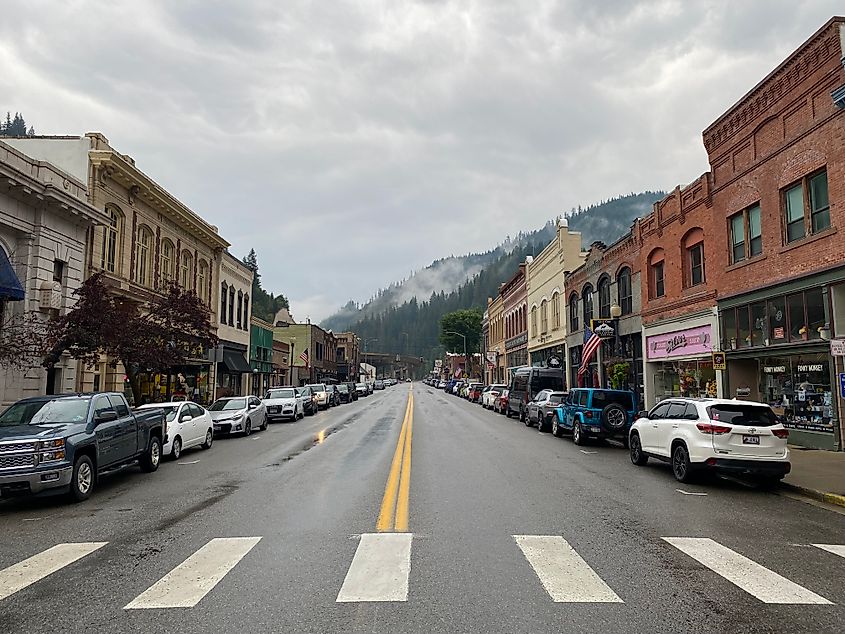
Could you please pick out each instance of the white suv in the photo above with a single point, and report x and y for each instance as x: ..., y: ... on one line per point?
x: 739, y: 437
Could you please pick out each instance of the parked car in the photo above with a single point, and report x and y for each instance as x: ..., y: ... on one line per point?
x: 343, y: 393
x: 596, y: 413
x: 541, y: 411
x: 309, y: 400
x: 742, y: 438
x: 456, y: 389
x: 334, y: 395
x: 353, y: 392
x: 238, y: 414
x: 321, y: 393
x: 489, y: 394
x: 284, y: 403
x: 188, y: 425
x: 378, y: 385
x: 474, y: 392
x: 526, y: 382
x: 500, y: 403
x: 361, y: 389
x: 56, y: 444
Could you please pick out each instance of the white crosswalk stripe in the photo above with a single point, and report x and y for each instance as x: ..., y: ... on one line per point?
x: 25, y: 573
x: 836, y: 549
x: 380, y: 569
x: 748, y: 575
x: 190, y: 581
x: 563, y: 572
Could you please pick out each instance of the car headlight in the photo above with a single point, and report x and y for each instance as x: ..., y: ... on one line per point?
x: 57, y: 443
x: 55, y: 450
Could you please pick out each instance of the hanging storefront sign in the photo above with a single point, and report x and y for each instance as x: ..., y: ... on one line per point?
x: 680, y: 343
x: 719, y: 361
x: 604, y: 328
x: 837, y: 347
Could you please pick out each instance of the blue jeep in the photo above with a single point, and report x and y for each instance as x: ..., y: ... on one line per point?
x: 596, y: 413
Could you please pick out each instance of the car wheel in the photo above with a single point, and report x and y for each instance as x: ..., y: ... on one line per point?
x: 209, y: 438
x: 176, y: 448
x: 82, y: 480
x: 681, y: 467
x: 152, y: 457
x: 526, y: 418
x: 508, y: 411
x: 636, y: 448
x: 264, y: 423
x: 578, y: 434
x: 614, y: 418
x: 556, y: 430
x: 248, y: 428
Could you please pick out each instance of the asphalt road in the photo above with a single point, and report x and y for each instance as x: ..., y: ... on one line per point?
x: 509, y: 530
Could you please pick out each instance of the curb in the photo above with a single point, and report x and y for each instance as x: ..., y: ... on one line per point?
x: 822, y: 496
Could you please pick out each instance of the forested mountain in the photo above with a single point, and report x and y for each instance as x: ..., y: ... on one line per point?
x: 15, y: 126
x: 264, y: 305
x: 404, y: 318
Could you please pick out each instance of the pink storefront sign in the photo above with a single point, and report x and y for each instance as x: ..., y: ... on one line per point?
x: 681, y: 343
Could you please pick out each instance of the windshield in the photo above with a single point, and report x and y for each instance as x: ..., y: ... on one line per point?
x: 547, y: 382
x: 318, y: 387
x: 602, y: 399
x: 289, y: 393
x: 749, y: 415
x: 228, y: 404
x: 343, y: 388
x: 556, y: 398
x: 66, y: 410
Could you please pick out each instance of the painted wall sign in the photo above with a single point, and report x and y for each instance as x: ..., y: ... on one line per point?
x: 815, y: 367
x: 681, y: 343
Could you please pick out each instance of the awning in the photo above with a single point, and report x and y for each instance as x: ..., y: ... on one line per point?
x: 235, y: 362
x: 10, y: 285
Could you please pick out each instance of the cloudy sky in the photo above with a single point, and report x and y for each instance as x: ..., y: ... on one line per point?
x: 350, y: 142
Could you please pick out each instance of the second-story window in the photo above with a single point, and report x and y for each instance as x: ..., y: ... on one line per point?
x: 573, y: 312
x: 240, y: 309
x: 143, y: 257
x: 656, y: 280
x: 604, y: 297
x: 623, y: 291
x: 533, y: 321
x: 166, y: 261
x: 231, y: 305
x: 111, y: 240
x: 587, y: 301
x: 224, y: 297
x: 806, y: 207
x: 202, y: 280
x: 555, y: 311
x: 746, y: 234
x: 246, y: 312
x: 544, y: 316
x: 186, y: 271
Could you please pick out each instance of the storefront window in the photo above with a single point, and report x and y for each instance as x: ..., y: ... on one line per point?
x: 744, y: 326
x: 693, y: 379
x: 759, y: 324
x: 816, y: 319
x: 729, y: 341
x: 797, y: 325
x: 798, y: 388
x: 777, y: 319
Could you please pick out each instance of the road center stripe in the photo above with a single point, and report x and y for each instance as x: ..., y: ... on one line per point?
x: 400, y: 471
x: 748, y: 575
x: 836, y: 549
x: 564, y: 574
x: 28, y: 571
x: 190, y: 581
x: 379, y: 570
x: 403, y: 501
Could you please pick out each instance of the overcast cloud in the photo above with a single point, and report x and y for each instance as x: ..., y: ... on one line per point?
x: 350, y: 142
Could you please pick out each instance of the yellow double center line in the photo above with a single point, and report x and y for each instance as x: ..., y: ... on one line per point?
x: 393, y: 516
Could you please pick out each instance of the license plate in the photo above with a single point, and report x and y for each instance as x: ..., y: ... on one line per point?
x: 751, y: 440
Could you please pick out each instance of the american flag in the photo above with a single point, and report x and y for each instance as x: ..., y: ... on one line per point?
x: 591, y: 343
x: 304, y: 356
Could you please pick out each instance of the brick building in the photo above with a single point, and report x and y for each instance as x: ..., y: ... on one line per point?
x: 515, y: 315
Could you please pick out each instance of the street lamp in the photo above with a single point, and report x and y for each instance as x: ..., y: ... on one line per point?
x: 466, y: 358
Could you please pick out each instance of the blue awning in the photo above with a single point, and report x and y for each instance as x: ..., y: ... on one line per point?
x: 10, y: 285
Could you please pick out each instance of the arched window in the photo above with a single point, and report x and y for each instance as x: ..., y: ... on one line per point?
x: 587, y: 302
x: 143, y: 257
x: 186, y: 271
x: 555, y: 311
x: 693, y: 249
x: 544, y: 316
x: 246, y: 311
x: 224, y: 297
x: 573, y: 312
x: 231, y: 305
x: 533, y: 321
x: 240, y: 308
x: 202, y: 280
x: 112, y: 234
x: 166, y: 261
x: 656, y: 281
x: 604, y: 297
x: 623, y: 291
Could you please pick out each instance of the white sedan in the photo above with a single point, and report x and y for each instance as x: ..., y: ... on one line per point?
x: 188, y: 425
x: 489, y: 394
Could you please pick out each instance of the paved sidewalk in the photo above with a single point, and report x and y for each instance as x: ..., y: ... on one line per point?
x: 819, y: 474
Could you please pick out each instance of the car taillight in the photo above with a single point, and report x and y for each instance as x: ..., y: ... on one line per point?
x: 588, y: 414
x: 781, y: 433
x: 710, y: 428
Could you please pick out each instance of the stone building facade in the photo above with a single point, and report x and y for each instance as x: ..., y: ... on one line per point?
x: 45, y: 218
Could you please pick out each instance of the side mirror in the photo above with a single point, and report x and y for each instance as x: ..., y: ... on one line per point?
x: 642, y: 414
x: 252, y: 406
x: 106, y: 416
x: 186, y: 418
